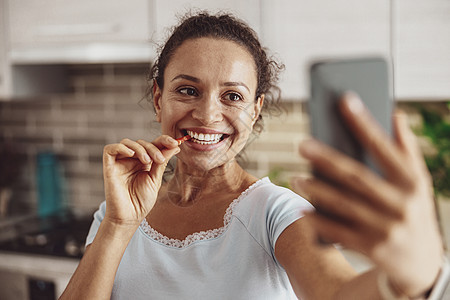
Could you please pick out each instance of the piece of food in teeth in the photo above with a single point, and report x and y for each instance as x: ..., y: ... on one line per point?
x: 183, y: 139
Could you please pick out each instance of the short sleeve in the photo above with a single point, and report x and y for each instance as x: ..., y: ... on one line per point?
x: 285, y: 208
x: 268, y: 211
x: 98, y: 217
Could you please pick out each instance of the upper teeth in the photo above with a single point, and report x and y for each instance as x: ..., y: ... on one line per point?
x: 206, y: 137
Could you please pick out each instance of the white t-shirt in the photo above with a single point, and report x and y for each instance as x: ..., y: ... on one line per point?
x: 236, y: 261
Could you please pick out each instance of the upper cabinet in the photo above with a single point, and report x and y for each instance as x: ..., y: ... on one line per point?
x: 421, y: 35
x: 301, y: 31
x: 167, y: 13
x: 414, y: 34
x: 59, y: 31
x: 5, y: 74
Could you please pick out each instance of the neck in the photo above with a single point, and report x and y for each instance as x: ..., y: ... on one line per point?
x: 189, y: 186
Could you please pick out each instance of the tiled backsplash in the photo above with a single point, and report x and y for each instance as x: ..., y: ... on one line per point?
x: 106, y: 104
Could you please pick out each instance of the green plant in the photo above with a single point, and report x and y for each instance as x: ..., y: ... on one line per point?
x: 437, y: 129
x: 276, y: 176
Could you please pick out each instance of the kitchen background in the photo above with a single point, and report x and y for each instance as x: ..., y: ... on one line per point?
x: 73, y: 77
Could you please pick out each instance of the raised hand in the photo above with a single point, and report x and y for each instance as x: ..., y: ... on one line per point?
x: 132, y: 173
x: 389, y: 218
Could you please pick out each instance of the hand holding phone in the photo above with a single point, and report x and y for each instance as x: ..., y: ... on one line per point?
x: 330, y: 80
x: 389, y: 218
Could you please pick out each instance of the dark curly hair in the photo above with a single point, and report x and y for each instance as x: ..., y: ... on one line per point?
x: 223, y: 26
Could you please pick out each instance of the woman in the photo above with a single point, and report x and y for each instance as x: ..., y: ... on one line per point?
x: 216, y: 231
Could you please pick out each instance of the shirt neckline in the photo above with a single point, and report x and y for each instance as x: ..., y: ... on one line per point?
x: 200, y: 235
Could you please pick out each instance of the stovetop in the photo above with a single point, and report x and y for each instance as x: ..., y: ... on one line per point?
x: 62, y: 235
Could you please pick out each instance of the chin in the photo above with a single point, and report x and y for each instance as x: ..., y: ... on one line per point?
x: 204, y: 164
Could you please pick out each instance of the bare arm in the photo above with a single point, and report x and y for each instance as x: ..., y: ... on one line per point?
x: 389, y: 218
x: 315, y: 272
x: 318, y: 271
x: 94, y: 277
x: 132, y: 173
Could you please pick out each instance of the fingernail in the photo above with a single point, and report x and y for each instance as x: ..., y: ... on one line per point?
x: 172, y: 140
x: 353, y: 102
x: 160, y: 157
x: 308, y: 147
x: 147, y: 158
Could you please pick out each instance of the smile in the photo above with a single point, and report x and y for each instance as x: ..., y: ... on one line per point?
x: 205, y: 138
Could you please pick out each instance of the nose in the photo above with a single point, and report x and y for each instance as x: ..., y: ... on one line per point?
x: 208, y: 110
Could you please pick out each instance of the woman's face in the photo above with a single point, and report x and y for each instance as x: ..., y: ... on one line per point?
x: 209, y: 93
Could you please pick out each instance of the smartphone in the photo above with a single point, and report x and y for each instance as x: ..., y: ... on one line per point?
x: 370, y: 79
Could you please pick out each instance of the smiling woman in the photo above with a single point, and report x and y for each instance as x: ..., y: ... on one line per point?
x: 216, y: 97
x: 214, y: 231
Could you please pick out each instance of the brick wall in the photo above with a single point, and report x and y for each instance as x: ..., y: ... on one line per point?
x: 105, y: 105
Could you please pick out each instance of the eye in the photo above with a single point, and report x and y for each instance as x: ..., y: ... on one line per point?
x: 233, y: 97
x: 188, y: 91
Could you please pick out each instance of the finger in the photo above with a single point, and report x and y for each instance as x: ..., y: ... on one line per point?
x: 157, y: 170
x: 347, y: 208
x: 165, y: 141
x: 334, y: 232
x: 161, y: 149
x: 140, y: 151
x: 296, y: 185
x: 349, y: 174
x: 116, y: 151
x: 153, y: 151
x: 158, y: 148
x: 407, y: 141
x: 373, y: 138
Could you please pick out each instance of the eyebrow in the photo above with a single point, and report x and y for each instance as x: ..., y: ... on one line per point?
x: 197, y: 80
x: 236, y: 83
x: 187, y: 77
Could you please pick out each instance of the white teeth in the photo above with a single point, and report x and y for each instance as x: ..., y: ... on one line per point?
x: 205, y: 138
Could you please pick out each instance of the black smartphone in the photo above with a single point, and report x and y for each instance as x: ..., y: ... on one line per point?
x: 370, y: 79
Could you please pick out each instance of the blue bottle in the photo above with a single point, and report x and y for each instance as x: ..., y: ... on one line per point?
x: 49, y: 184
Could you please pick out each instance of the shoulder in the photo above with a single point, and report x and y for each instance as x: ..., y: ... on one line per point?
x: 267, y: 209
x: 270, y: 198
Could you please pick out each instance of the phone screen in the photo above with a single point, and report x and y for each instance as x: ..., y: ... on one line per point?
x: 369, y: 78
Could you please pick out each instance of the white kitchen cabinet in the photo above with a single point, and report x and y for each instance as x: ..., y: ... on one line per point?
x: 421, y: 34
x: 5, y: 80
x: 166, y: 13
x: 5, y: 70
x: 301, y: 31
x: 71, y: 31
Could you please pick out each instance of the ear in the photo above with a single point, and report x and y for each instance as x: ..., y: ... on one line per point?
x: 157, y: 100
x: 257, y: 108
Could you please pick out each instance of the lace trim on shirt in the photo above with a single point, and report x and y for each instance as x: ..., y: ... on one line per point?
x: 202, y: 235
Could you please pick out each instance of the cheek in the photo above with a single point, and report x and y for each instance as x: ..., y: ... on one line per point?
x: 170, y: 112
x: 243, y: 124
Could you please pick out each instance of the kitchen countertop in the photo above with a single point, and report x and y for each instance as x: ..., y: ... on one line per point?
x: 59, y: 270
x: 39, y: 264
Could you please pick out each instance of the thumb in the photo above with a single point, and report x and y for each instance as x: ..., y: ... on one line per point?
x: 157, y: 170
